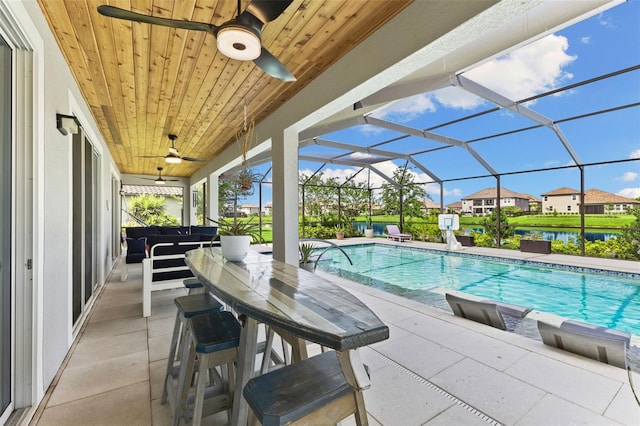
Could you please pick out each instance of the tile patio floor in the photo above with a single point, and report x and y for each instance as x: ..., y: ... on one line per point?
x: 435, y: 369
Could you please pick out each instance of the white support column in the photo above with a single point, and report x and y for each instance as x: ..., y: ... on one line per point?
x: 284, y: 148
x: 212, y: 198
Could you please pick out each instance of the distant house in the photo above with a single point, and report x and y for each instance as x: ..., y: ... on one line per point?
x: 266, y: 210
x: 596, y: 201
x: 535, y: 204
x: 485, y: 201
x: 429, y: 206
x: 248, y: 209
x: 454, y: 207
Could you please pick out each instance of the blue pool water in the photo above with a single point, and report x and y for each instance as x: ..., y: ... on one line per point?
x: 604, y: 299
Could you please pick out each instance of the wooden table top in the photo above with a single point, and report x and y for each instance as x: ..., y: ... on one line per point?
x: 289, y: 298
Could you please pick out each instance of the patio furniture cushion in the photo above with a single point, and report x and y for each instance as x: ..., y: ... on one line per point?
x: 136, y: 232
x: 599, y: 343
x: 136, y: 250
x: 206, y: 232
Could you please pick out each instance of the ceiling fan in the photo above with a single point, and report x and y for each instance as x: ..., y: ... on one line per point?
x: 160, y: 180
x: 173, y: 156
x: 238, y: 38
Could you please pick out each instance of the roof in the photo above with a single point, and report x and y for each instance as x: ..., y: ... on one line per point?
x: 428, y: 204
x: 531, y: 197
x: 152, y: 189
x: 456, y: 205
x: 493, y: 193
x: 561, y: 191
x: 597, y: 196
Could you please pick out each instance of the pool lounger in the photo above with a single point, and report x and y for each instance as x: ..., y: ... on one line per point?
x: 487, y: 312
x: 393, y: 233
x: 599, y: 343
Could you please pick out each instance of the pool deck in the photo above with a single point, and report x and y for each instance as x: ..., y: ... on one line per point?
x: 435, y: 369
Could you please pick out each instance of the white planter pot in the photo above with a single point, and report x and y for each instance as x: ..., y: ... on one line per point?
x: 235, y: 247
x: 368, y: 233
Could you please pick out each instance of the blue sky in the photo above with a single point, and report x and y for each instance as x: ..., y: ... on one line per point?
x: 601, y: 44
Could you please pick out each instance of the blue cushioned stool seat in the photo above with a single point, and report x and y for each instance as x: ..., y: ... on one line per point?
x: 214, y: 338
x: 193, y: 285
x: 188, y: 306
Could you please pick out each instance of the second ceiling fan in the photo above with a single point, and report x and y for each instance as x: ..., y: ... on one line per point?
x: 238, y: 38
x: 173, y: 156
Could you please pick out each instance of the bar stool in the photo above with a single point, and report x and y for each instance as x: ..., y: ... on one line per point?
x: 188, y: 306
x: 193, y: 285
x: 214, y: 338
x: 312, y: 391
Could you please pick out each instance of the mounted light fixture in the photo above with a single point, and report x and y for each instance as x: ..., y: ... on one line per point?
x: 238, y: 42
x: 173, y: 158
x: 159, y: 180
x: 67, y: 124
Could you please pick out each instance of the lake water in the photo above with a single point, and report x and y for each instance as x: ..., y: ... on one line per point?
x: 547, y: 234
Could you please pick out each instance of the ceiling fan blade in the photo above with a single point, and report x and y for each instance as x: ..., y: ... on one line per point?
x: 193, y: 159
x: 116, y: 12
x: 267, y: 10
x: 149, y: 156
x: 272, y: 66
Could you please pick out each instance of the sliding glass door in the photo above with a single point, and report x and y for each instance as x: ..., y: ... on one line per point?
x: 85, y: 230
x: 6, y: 310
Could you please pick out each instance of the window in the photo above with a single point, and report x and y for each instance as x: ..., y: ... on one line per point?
x: 489, y: 202
x: 568, y: 208
x: 574, y: 197
x: 546, y: 198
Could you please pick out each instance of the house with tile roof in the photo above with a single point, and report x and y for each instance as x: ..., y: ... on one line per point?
x: 596, y: 201
x: 485, y: 201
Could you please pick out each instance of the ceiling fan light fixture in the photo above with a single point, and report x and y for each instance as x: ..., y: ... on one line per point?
x: 238, y: 42
x: 172, y: 158
x: 160, y: 181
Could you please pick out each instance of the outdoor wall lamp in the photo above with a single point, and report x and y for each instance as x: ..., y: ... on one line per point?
x: 67, y: 124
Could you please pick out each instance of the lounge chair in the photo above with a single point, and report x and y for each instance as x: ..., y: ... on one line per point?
x: 393, y: 233
x: 599, y: 343
x: 487, y: 312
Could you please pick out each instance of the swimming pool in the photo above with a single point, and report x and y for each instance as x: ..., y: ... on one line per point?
x: 608, y: 300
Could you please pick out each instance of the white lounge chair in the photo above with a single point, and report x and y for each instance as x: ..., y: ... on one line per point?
x: 393, y: 233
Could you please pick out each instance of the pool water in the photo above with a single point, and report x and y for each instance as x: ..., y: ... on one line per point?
x: 603, y: 299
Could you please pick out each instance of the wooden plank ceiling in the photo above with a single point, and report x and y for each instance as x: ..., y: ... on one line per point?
x: 143, y: 82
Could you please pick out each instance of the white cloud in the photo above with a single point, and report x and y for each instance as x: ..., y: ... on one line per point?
x: 629, y: 192
x: 635, y: 154
x: 407, y: 109
x: 551, y: 163
x: 454, y: 97
x: 532, y: 69
x: 629, y: 177
x: 585, y: 40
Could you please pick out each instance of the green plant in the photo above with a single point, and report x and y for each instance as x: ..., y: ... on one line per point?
x: 237, y: 227
x: 306, y: 251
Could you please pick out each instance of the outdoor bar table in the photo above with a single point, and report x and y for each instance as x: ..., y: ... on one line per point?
x: 264, y: 290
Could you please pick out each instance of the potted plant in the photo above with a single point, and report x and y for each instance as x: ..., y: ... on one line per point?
x: 533, y: 243
x: 306, y: 260
x: 246, y: 178
x: 368, y: 231
x: 236, y: 237
x: 339, y: 230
